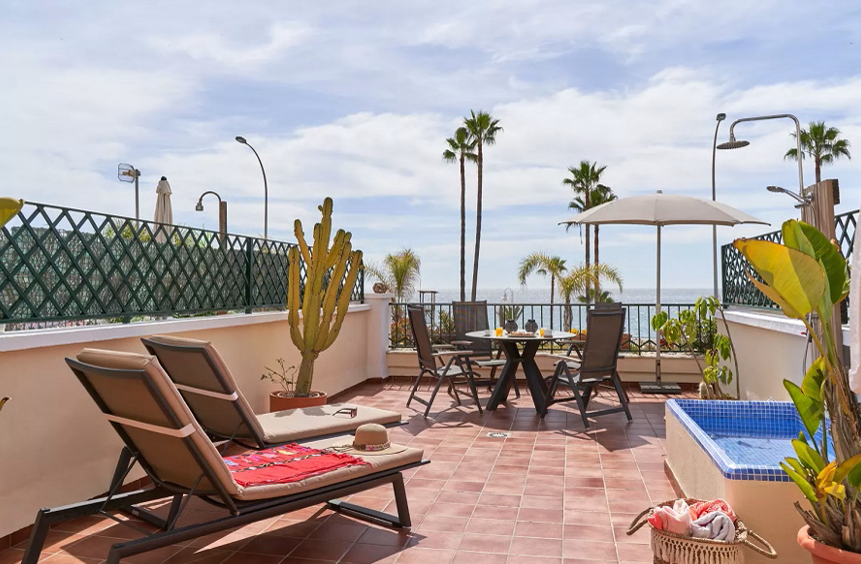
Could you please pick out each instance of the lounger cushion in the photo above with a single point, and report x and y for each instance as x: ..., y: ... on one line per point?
x: 298, y: 424
x: 168, y: 457
x: 375, y: 464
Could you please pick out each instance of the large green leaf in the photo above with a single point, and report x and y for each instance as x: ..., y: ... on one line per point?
x: 801, y: 482
x: 808, y: 456
x: 832, y: 261
x: 9, y: 208
x: 794, y: 237
x: 846, y: 467
x: 793, y: 279
x: 811, y: 410
x: 811, y: 385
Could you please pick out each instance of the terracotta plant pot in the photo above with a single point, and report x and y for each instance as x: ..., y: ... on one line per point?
x: 279, y: 401
x: 824, y: 554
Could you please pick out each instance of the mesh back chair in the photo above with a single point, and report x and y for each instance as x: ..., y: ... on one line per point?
x: 604, y: 328
x: 469, y: 317
x: 430, y: 363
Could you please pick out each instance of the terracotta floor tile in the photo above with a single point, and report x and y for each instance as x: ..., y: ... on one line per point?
x: 191, y: 555
x: 490, y: 527
x: 589, y: 550
x: 426, y: 556
x: 248, y: 558
x: 462, y: 557
x: 472, y: 542
x: 438, y: 540
x: 451, y: 509
x: 540, y: 515
x: 588, y: 533
x: 317, y: 550
x: 11, y: 556
x: 371, y: 554
x: 468, y: 498
x: 387, y: 537
x: 439, y: 523
x: 63, y: 558
x: 635, y: 552
x: 538, y: 530
x: 527, y: 559
x: 270, y: 544
x: 532, y: 546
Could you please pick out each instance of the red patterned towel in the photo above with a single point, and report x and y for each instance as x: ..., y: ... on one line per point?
x: 284, y: 464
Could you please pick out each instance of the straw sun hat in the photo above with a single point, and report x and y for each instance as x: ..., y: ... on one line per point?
x: 371, y: 439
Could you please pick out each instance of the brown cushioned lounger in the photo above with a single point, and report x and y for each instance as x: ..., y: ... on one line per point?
x: 160, y: 432
x: 206, y: 384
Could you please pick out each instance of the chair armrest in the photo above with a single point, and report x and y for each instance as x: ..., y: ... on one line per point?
x: 452, y: 353
x: 461, y: 343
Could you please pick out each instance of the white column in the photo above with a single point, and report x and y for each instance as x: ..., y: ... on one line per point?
x: 379, y: 325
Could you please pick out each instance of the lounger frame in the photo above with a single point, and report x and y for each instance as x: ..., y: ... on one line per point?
x: 241, y: 512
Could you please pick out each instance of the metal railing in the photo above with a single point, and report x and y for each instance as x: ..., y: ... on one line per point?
x: 68, y: 265
x: 639, y: 336
x: 739, y: 290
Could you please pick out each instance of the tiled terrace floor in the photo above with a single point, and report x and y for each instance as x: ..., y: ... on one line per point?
x: 549, y: 494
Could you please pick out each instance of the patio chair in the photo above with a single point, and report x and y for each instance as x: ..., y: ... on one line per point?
x: 597, y: 365
x: 469, y: 317
x: 430, y: 363
x: 145, y: 409
x: 208, y: 387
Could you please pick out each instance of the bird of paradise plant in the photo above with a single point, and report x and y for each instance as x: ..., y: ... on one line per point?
x: 807, y: 276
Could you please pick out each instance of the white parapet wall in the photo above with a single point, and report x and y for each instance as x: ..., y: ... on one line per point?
x: 55, y: 446
x: 769, y: 348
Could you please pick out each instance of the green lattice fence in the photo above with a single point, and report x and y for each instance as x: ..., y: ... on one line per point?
x: 63, y: 264
x: 738, y: 290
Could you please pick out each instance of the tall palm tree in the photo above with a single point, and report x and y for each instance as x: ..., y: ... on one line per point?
x: 584, y: 179
x: 546, y: 265
x: 599, y: 195
x: 482, y: 129
x: 460, y: 149
x: 400, y: 272
x: 822, y: 144
x: 578, y: 280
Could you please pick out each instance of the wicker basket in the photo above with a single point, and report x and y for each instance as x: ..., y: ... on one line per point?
x: 670, y: 548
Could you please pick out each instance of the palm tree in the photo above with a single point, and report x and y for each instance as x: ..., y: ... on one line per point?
x: 822, y: 144
x: 460, y: 148
x: 545, y: 265
x: 400, y: 272
x: 584, y: 179
x: 599, y: 195
x: 578, y: 280
x: 482, y: 130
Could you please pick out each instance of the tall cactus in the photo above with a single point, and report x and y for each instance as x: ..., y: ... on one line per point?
x: 323, y: 308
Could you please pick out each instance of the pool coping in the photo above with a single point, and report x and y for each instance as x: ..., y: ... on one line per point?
x: 728, y: 468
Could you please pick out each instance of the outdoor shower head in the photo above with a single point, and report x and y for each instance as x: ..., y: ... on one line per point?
x: 721, y: 116
x: 778, y: 190
x: 733, y: 144
x: 199, y: 206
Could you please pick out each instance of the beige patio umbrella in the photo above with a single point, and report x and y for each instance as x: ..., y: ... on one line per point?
x: 163, y: 209
x: 661, y: 209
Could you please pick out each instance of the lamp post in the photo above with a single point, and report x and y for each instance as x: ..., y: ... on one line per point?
x: 720, y: 117
x: 128, y: 173
x: 222, y: 213
x: 241, y: 139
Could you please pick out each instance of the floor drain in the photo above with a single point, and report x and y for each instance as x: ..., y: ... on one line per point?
x: 498, y: 435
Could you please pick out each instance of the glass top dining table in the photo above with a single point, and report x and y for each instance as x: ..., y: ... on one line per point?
x: 520, y: 350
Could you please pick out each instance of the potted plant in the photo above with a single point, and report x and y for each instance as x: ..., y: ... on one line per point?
x: 331, y: 273
x: 807, y: 277
x: 696, y: 330
x: 284, y: 397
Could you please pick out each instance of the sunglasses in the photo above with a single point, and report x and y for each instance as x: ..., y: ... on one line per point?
x: 350, y: 411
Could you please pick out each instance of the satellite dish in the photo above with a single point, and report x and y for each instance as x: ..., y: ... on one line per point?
x: 126, y: 172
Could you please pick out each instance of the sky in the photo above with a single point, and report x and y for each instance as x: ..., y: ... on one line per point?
x: 354, y: 100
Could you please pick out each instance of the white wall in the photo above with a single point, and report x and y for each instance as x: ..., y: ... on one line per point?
x: 55, y: 446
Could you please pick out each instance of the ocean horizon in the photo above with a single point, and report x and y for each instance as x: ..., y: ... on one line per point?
x: 527, y: 295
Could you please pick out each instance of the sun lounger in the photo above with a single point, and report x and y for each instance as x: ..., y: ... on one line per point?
x: 145, y: 409
x: 208, y: 387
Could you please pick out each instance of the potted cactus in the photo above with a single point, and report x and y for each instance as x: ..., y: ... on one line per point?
x: 807, y: 277
x: 331, y: 272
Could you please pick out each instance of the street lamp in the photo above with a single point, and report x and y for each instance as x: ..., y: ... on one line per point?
x: 241, y: 139
x: 128, y: 173
x: 222, y: 212
x: 720, y: 117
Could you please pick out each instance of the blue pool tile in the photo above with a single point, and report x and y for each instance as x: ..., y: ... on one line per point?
x: 745, y: 439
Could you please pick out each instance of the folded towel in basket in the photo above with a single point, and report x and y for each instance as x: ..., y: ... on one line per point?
x: 676, y: 519
x: 716, y: 525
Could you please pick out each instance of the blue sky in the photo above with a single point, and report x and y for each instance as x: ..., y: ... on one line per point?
x: 355, y: 99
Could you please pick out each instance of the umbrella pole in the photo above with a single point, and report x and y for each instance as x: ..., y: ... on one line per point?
x: 658, y: 387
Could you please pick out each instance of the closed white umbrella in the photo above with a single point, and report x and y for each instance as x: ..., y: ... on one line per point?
x: 163, y: 209
x: 661, y: 209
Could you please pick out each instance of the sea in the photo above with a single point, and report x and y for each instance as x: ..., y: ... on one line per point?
x: 528, y: 295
